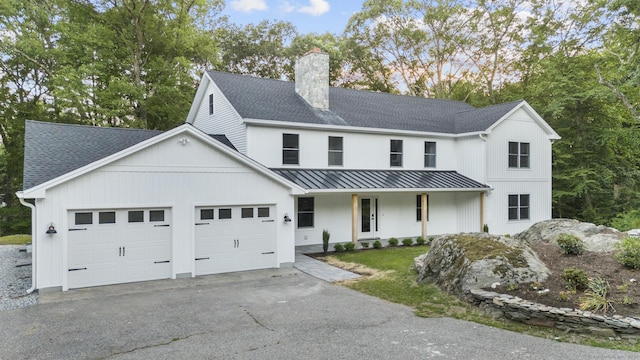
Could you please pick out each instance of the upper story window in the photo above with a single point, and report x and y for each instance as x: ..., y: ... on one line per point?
x: 519, y: 207
x: 290, y: 149
x: 335, y: 150
x: 210, y: 104
x: 396, y: 153
x: 429, y: 154
x: 518, y: 154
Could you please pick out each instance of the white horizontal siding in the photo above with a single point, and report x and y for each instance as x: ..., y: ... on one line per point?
x: 167, y: 174
x: 361, y: 150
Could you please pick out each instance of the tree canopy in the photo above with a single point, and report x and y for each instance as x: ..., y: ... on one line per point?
x: 136, y: 63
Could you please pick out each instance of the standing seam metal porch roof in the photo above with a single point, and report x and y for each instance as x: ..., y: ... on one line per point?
x: 333, y: 179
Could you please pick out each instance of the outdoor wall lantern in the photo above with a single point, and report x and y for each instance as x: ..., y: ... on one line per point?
x: 287, y: 219
x: 51, y: 230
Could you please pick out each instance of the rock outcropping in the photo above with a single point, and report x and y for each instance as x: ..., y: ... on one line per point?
x: 461, y: 262
x: 597, y: 238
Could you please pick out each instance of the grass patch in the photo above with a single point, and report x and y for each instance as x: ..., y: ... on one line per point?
x: 15, y: 239
x: 398, y: 284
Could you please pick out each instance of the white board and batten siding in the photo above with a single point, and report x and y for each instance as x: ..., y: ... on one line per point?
x: 167, y: 175
x: 225, y: 120
x: 535, y: 180
x: 360, y: 150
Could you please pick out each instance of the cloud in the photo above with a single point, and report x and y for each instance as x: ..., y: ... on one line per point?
x: 248, y: 5
x: 287, y: 7
x: 315, y: 8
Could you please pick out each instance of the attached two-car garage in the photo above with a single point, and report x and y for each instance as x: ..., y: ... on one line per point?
x: 111, y: 246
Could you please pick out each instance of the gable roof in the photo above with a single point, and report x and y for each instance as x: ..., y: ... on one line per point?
x: 349, y: 180
x: 268, y: 99
x: 53, y: 149
x: 55, y: 153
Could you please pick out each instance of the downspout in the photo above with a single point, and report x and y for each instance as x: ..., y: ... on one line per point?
x: 33, y: 241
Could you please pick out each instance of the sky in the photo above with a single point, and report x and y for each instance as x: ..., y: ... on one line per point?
x: 308, y: 16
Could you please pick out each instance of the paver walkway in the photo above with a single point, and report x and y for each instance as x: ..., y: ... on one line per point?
x: 317, y: 268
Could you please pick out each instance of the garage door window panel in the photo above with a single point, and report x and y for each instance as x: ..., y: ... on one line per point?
x: 107, y: 217
x: 247, y: 213
x: 83, y: 218
x: 136, y: 216
x: 263, y: 212
x: 206, y: 214
x: 224, y: 214
x: 156, y: 215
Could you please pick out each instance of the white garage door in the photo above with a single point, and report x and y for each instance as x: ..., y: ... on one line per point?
x: 118, y: 246
x: 235, y: 238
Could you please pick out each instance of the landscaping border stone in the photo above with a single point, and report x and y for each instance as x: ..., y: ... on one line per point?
x: 578, y: 321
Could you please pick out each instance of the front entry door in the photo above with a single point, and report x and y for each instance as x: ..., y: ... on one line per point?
x: 368, y: 218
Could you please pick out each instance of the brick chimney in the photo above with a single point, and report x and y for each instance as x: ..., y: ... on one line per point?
x: 312, y: 78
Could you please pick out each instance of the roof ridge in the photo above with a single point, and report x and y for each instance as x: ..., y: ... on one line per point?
x: 50, y: 123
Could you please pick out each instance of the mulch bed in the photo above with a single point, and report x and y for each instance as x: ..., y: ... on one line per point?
x: 622, y: 287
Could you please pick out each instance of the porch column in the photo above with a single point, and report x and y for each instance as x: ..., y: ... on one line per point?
x: 481, y: 211
x: 423, y: 214
x: 354, y: 218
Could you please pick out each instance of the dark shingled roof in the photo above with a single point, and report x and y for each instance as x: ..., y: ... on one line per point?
x: 52, y: 149
x: 268, y: 99
x: 325, y: 179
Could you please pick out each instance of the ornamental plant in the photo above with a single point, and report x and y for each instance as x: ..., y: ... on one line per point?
x: 393, y: 242
x: 325, y: 240
x: 407, y: 242
x: 349, y: 246
x: 628, y: 252
x: 570, y: 244
x: 377, y: 244
x: 338, y: 247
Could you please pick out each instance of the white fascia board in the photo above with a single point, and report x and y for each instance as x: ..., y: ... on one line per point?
x: 395, y: 190
x: 354, y: 129
x: 198, y: 98
x: 39, y: 191
x: 551, y: 134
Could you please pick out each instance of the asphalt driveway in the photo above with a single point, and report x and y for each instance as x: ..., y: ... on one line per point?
x: 272, y: 314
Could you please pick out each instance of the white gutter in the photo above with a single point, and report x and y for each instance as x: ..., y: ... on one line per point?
x: 33, y: 241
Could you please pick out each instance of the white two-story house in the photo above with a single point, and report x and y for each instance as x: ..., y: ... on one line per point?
x: 262, y: 166
x: 377, y: 165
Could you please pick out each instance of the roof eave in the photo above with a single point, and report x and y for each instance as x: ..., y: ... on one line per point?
x: 396, y: 190
x: 352, y: 129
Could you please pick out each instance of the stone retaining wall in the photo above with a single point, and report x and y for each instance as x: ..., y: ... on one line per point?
x: 514, y: 308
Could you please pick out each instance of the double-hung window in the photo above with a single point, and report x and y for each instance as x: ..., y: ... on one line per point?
x: 335, y: 150
x: 305, y: 212
x: 518, y: 155
x: 519, y: 207
x: 290, y: 149
x: 429, y: 154
x: 395, y: 159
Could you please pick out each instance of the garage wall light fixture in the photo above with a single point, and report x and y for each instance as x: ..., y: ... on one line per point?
x: 184, y: 140
x: 51, y: 230
x: 287, y: 219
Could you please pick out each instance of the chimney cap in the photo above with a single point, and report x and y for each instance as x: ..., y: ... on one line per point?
x: 314, y: 50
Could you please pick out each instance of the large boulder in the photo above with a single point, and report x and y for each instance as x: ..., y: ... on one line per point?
x: 458, y: 263
x: 597, y: 238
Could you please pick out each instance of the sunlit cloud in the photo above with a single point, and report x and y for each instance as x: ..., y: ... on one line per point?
x: 248, y: 5
x: 315, y: 8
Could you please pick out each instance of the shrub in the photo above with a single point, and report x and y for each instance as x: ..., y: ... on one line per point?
x: 393, y: 242
x: 575, y: 278
x: 377, y: 244
x: 570, y: 244
x: 430, y: 240
x: 325, y: 240
x: 627, y: 220
x: 485, y: 228
x: 338, y: 247
x: 595, y: 298
x: 407, y: 242
x: 628, y: 253
x: 349, y: 246
x: 364, y: 244
x: 420, y: 240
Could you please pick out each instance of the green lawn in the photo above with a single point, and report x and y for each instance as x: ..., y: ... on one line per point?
x: 399, y: 286
x: 15, y: 240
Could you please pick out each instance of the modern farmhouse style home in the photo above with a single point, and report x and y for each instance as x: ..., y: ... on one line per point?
x: 261, y: 166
